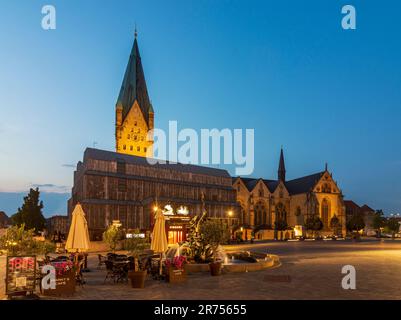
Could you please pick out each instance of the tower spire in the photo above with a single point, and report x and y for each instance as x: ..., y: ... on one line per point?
x: 281, y: 167
x: 134, y: 86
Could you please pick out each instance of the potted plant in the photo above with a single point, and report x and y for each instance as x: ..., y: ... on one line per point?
x: 175, y: 271
x: 112, y: 236
x: 215, y: 233
x: 136, y: 246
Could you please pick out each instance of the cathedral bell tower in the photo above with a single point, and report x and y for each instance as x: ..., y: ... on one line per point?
x: 134, y: 111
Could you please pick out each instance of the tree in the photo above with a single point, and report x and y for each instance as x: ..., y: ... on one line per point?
x: 30, y: 213
x: 280, y: 225
x: 313, y: 223
x: 135, y: 246
x: 378, y: 222
x: 112, y: 236
x: 355, y: 224
x: 335, y: 224
x: 214, y: 233
x: 19, y: 241
x: 393, y: 226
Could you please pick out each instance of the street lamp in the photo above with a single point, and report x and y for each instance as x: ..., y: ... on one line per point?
x: 230, y: 213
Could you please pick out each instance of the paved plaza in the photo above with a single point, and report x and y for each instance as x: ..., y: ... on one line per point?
x: 314, y: 269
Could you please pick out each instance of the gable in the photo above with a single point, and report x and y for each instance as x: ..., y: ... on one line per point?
x: 281, y: 191
x: 260, y: 189
x: 135, y: 121
x: 326, y: 184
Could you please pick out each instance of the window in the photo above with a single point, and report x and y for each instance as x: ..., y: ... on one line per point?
x: 131, y: 148
x: 120, y: 166
x: 135, y: 123
x: 325, y: 213
x: 128, y: 136
x: 144, y: 149
x: 122, y: 185
x: 135, y: 138
x: 124, y: 147
x: 138, y: 149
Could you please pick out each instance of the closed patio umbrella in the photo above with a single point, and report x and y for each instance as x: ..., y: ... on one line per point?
x: 159, y: 239
x: 78, y: 236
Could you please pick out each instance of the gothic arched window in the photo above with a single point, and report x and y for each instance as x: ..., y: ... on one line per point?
x: 281, y: 213
x: 325, y: 213
x: 260, y: 214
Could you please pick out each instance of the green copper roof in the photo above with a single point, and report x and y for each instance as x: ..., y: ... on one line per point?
x: 134, y: 86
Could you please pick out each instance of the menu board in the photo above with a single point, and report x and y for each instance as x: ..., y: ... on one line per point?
x: 20, y: 274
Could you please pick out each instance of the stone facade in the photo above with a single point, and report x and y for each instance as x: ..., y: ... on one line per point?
x: 57, y: 223
x: 263, y: 202
x: 112, y: 186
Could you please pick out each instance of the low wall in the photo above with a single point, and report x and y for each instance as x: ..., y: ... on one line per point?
x: 270, y: 261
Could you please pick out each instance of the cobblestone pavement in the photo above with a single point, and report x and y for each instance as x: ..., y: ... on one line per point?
x: 314, y: 268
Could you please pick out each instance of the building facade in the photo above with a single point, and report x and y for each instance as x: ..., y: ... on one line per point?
x: 263, y: 202
x: 57, y: 224
x: 367, y: 213
x: 113, y: 186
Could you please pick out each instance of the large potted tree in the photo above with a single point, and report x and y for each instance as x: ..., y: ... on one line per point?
x: 215, y: 233
x: 112, y: 236
x: 135, y: 247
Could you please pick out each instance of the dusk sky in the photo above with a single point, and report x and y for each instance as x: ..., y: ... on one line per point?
x: 284, y: 68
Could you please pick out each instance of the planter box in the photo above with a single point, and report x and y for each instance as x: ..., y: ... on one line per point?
x: 176, y: 275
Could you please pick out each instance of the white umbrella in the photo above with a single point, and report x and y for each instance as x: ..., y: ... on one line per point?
x: 159, y: 239
x: 78, y: 236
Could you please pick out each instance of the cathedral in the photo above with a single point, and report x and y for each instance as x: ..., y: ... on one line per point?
x: 123, y: 186
x: 263, y: 202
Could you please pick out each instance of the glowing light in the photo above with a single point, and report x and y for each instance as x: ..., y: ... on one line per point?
x: 183, y: 210
x: 155, y: 208
x: 168, y: 210
x: 230, y: 213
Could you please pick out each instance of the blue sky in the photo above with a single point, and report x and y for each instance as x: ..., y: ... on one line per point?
x: 285, y: 68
